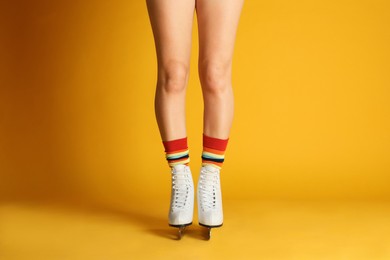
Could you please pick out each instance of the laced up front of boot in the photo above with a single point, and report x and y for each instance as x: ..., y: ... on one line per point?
x: 181, y: 187
x: 182, y: 196
x: 210, y: 211
x: 208, y: 185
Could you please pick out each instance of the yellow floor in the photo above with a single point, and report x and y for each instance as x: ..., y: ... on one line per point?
x: 252, y: 230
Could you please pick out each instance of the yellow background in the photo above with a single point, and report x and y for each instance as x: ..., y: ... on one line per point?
x: 312, y: 112
x: 311, y: 84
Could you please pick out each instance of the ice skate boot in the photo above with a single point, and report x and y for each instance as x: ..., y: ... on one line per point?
x: 182, y: 198
x: 209, y: 197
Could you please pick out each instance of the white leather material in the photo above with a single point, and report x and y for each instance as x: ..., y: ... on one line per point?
x: 181, y: 207
x: 209, y: 197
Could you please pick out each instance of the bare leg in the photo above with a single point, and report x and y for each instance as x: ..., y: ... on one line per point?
x: 171, y: 22
x: 217, y: 21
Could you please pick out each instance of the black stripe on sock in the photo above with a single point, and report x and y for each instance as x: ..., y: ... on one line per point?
x: 212, y: 159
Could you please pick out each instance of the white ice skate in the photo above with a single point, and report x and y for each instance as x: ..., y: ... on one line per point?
x: 209, y: 196
x: 182, y: 198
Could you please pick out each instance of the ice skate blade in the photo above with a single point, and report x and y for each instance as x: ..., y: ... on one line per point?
x: 181, y: 229
x: 181, y: 232
x: 208, y: 234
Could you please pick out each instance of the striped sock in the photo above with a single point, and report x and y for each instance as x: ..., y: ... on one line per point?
x: 176, y: 152
x: 213, y: 151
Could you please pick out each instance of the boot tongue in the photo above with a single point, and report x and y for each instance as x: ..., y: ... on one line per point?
x: 211, y: 168
x: 178, y: 168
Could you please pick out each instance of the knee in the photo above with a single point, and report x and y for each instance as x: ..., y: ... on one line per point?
x: 173, y: 77
x: 215, y: 76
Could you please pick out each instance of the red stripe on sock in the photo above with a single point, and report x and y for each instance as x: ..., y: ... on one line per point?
x: 175, y: 145
x: 215, y: 143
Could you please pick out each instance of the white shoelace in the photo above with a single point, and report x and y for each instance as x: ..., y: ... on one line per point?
x: 208, y: 186
x: 181, y: 185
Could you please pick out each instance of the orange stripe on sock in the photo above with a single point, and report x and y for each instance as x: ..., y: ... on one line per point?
x: 210, y: 150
